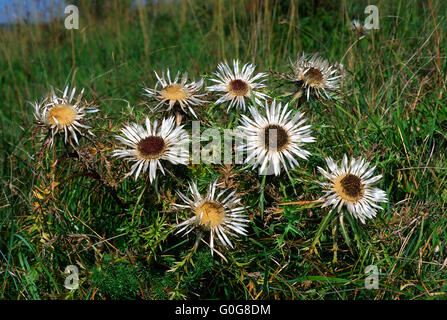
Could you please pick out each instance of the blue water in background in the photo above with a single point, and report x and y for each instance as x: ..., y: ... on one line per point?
x: 13, y: 11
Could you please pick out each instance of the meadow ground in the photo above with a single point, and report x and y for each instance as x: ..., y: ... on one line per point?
x: 391, y: 110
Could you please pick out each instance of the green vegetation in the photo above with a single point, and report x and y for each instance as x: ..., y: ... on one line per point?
x: 119, y: 232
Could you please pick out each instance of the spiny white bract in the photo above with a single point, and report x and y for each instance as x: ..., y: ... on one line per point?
x: 63, y: 113
x: 219, y: 214
x: 237, y: 85
x: 352, y: 185
x: 170, y: 92
x: 316, y: 74
x: 274, y: 138
x: 147, y: 147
